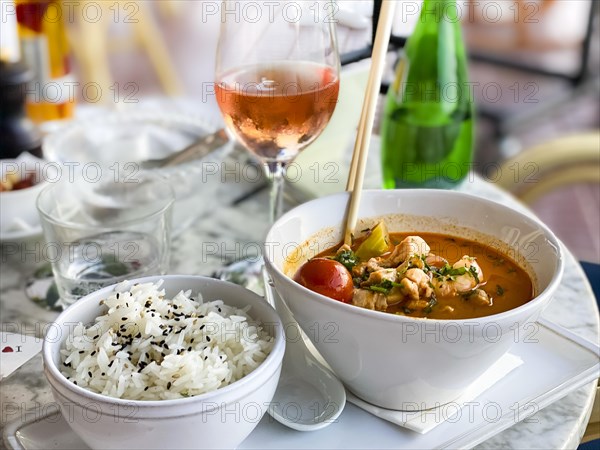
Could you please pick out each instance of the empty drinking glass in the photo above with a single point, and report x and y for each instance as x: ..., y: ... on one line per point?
x: 105, y: 231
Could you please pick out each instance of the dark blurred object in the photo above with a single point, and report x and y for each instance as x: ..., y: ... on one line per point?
x: 17, y: 132
x: 525, y: 35
x: 527, y: 55
x: 526, y: 38
x: 591, y: 436
x: 396, y: 42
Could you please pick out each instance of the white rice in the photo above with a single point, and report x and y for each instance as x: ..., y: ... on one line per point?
x: 147, y: 347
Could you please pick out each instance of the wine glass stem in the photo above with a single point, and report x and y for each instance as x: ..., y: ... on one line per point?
x: 275, y: 171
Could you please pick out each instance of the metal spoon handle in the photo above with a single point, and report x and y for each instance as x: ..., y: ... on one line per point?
x: 196, y: 150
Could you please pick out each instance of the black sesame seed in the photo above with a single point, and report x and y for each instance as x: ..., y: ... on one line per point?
x: 190, y: 348
x: 123, y: 318
x: 191, y: 340
x: 103, y: 374
x: 202, y: 327
x: 205, y: 358
x: 117, y: 296
x: 111, y: 363
x: 139, y: 335
x: 96, y: 337
x: 146, y: 388
x: 90, y: 373
x: 169, y: 385
x: 80, y: 352
x: 74, y: 382
x: 207, y: 338
x: 218, y: 309
x: 93, y: 353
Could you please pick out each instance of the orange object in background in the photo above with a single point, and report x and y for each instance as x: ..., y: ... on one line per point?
x: 45, y: 49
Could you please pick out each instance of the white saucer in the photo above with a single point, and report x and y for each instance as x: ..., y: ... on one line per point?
x: 555, y: 363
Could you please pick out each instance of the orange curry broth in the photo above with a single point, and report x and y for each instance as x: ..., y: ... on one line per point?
x: 506, y: 283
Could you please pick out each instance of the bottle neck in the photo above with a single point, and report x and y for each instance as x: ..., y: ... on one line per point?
x: 442, y: 3
x: 440, y: 10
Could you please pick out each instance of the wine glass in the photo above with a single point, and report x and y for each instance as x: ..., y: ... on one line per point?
x: 277, y: 81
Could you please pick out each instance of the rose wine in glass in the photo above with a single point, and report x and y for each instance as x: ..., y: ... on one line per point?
x: 277, y: 82
x: 276, y: 110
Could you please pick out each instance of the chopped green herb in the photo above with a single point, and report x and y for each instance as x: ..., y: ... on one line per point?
x: 426, y: 267
x: 430, y: 305
x: 448, y: 271
x: 377, y: 288
x: 384, y: 287
x: 407, y: 310
x: 347, y: 258
x: 473, y: 272
x: 499, y: 290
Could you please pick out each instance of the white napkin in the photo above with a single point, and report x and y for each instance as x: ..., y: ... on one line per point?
x: 15, y: 350
x: 423, y: 422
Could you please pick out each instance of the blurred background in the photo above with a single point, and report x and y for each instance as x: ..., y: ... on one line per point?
x: 534, y: 65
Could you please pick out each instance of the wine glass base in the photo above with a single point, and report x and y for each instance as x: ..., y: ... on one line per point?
x: 244, y: 272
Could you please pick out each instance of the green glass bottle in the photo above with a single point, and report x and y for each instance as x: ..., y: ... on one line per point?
x: 427, y: 129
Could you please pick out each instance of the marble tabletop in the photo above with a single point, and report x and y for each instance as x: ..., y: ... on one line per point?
x: 233, y: 230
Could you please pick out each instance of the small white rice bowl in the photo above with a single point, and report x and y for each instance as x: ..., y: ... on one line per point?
x: 149, y: 347
x: 203, y: 387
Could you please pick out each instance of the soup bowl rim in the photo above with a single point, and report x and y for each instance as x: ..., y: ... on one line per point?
x: 504, y: 316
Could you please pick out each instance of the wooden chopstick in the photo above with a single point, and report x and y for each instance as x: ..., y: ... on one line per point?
x: 365, y: 126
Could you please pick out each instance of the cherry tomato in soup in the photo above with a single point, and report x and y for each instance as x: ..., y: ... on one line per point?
x: 326, y: 277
